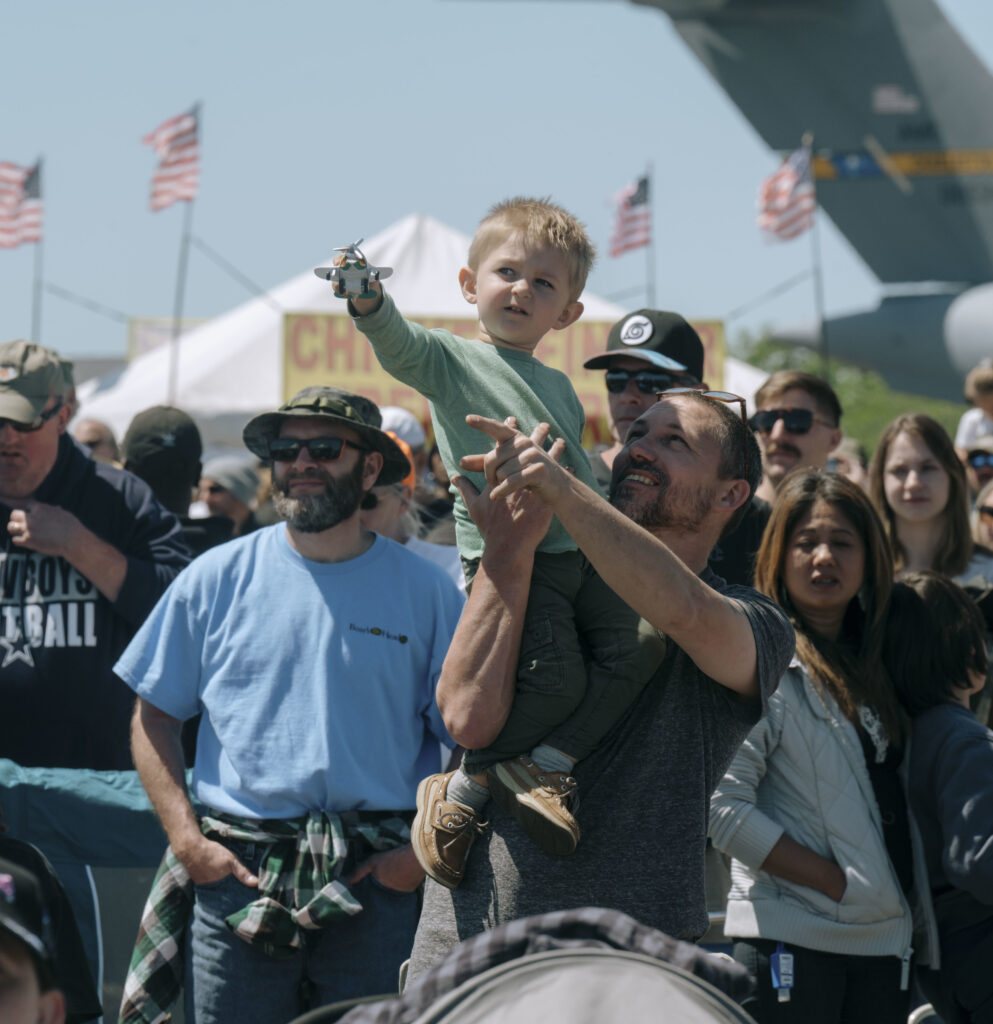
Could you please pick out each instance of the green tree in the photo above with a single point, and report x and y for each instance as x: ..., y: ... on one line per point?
x: 869, y: 403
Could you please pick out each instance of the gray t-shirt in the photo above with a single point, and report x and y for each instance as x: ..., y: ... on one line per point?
x: 644, y: 807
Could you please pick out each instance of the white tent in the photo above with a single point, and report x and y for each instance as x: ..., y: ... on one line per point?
x: 231, y: 367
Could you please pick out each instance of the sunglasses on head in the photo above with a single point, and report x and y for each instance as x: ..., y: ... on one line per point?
x: 36, y: 424
x: 322, y: 449
x: 648, y: 382
x: 796, y: 421
x: 979, y: 460
x: 715, y: 396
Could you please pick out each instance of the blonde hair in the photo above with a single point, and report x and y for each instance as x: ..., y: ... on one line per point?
x: 540, y: 224
x: 978, y: 381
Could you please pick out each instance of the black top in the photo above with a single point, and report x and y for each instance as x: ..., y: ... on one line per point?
x: 734, y: 556
x: 63, y: 707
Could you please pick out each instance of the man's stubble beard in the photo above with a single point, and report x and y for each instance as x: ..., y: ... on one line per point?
x: 312, y: 513
x: 669, y: 507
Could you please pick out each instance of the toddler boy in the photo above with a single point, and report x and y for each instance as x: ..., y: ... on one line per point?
x: 579, y: 667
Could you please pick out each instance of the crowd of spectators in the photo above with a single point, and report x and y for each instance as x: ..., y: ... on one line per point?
x: 852, y: 786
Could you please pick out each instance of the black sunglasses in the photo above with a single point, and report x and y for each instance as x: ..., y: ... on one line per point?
x: 716, y: 396
x: 322, y: 449
x: 648, y: 382
x: 986, y: 511
x: 796, y: 421
x: 36, y: 424
x: 980, y: 459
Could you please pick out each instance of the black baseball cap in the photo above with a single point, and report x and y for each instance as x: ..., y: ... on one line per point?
x: 162, y: 434
x: 663, y: 339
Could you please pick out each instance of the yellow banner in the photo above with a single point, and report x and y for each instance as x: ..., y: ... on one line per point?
x: 920, y: 164
x: 324, y: 348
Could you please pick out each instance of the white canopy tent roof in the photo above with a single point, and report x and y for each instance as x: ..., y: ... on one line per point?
x: 231, y: 368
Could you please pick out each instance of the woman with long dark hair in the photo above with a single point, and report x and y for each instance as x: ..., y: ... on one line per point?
x: 811, y: 810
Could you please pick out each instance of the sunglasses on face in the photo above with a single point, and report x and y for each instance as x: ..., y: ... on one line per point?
x: 796, y: 421
x: 36, y: 424
x: 715, y: 396
x: 980, y: 460
x: 322, y: 449
x: 986, y: 511
x: 648, y: 382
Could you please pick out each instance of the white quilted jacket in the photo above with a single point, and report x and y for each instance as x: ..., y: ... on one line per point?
x: 802, y: 771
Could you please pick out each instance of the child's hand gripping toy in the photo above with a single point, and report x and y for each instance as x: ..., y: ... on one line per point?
x: 350, y: 273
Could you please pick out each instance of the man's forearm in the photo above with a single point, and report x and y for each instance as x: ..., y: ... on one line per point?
x: 156, y: 746
x: 101, y: 563
x: 661, y: 588
x: 477, y: 682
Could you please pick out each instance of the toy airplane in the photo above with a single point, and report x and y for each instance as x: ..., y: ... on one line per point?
x: 350, y: 273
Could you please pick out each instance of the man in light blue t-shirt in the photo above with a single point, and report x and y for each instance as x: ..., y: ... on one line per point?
x: 312, y: 649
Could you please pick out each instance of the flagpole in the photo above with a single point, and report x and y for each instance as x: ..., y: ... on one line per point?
x: 816, y: 267
x: 650, y: 248
x: 38, y: 274
x: 36, y: 302
x: 177, y: 315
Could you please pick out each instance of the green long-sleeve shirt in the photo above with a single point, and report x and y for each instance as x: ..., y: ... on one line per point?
x: 459, y: 376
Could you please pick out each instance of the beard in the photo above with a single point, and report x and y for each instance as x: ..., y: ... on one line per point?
x: 312, y: 513
x: 666, y: 507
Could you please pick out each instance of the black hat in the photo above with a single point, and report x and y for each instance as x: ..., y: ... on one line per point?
x: 663, y: 339
x: 355, y: 411
x: 162, y: 434
x: 22, y: 910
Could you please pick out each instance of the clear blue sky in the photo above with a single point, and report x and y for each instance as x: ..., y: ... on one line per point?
x: 324, y: 121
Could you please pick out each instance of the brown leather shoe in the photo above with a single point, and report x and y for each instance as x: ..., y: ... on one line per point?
x: 443, y: 831
x: 541, y: 801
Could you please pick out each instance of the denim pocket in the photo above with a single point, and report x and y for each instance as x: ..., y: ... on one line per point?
x: 397, y: 893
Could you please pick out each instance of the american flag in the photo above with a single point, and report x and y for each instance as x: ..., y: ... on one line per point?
x: 787, y: 199
x: 176, y: 143
x: 633, y: 227
x: 20, y: 205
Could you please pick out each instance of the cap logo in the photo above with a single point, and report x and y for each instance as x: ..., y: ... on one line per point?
x: 168, y: 440
x: 636, y: 330
x: 7, y: 887
x: 7, y: 374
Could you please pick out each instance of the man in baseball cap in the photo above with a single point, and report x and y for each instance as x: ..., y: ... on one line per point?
x: 647, y: 352
x: 88, y: 553
x: 313, y: 648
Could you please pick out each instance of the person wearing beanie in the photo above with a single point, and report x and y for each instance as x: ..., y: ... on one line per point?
x: 229, y: 486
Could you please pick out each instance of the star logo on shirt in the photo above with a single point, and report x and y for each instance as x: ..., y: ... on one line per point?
x: 16, y: 649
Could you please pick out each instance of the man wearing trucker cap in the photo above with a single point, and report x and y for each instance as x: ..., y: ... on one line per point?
x: 312, y: 648
x: 647, y: 352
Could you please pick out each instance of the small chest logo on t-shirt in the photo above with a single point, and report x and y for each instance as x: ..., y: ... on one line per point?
x: 400, y: 638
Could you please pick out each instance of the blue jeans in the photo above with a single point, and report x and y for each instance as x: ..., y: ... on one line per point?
x: 229, y: 980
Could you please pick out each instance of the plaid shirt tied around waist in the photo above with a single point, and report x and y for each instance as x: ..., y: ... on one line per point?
x: 300, y: 889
